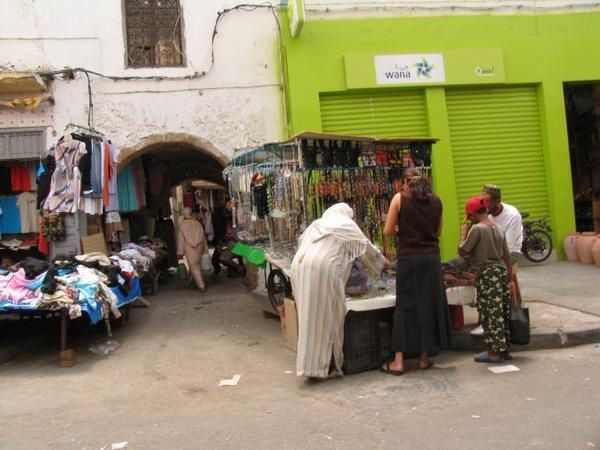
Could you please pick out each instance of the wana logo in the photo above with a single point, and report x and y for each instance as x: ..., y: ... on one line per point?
x: 424, y: 68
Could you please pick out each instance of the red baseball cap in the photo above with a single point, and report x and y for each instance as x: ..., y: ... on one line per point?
x: 475, y: 204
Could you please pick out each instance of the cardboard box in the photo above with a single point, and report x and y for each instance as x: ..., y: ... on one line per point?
x: 289, y: 324
x: 94, y: 243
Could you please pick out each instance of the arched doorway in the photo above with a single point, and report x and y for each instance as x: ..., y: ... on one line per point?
x: 160, y: 168
x: 186, y: 156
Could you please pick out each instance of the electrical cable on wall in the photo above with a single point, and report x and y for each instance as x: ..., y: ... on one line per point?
x: 197, y: 75
x: 248, y: 7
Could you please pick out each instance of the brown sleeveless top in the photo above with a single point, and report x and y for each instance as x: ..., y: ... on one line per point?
x: 418, y: 223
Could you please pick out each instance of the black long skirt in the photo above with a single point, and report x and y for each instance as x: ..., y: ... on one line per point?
x: 421, y: 318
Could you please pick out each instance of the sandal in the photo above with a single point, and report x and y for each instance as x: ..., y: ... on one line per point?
x: 484, y: 357
x: 429, y: 365
x: 386, y: 369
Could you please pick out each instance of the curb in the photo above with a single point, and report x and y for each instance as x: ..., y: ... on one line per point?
x: 541, y: 338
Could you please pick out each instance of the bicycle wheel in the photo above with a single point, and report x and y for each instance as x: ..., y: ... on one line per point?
x: 538, y: 246
x: 278, y: 287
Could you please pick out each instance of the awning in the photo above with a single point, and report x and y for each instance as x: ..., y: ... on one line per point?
x: 21, y: 83
x: 23, y: 90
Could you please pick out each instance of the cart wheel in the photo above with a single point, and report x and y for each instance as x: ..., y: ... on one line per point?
x: 278, y: 287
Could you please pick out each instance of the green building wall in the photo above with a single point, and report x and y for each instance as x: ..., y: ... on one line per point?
x: 541, y: 50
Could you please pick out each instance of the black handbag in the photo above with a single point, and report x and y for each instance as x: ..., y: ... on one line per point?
x: 520, y: 331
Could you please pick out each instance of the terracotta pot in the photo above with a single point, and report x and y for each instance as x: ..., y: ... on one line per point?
x: 584, y: 247
x: 570, y: 246
x: 596, y: 251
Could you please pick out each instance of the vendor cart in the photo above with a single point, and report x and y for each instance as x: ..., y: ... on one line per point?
x: 280, y: 188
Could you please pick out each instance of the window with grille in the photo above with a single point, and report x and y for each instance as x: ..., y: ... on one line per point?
x: 153, y: 29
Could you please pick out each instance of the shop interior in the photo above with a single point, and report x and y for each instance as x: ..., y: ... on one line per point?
x: 582, y: 104
x: 173, y: 176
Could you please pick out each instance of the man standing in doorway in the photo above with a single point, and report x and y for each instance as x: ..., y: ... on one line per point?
x: 509, y: 219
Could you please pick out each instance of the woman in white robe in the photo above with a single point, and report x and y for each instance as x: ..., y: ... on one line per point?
x: 191, y: 242
x: 320, y: 270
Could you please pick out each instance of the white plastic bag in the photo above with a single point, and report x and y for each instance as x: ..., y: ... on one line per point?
x: 206, y: 263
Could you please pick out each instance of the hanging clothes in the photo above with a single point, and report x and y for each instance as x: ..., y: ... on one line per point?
x: 43, y: 244
x: 44, y: 175
x: 10, y: 219
x: 96, y: 168
x: 189, y: 200
x: 28, y: 212
x: 85, y: 162
x: 159, y: 189
x: 126, y: 187
x: 65, y: 186
x: 5, y: 178
x: 19, y: 177
x: 140, y: 185
x: 91, y: 206
x: 107, y: 173
x: 32, y: 167
x: 113, y: 187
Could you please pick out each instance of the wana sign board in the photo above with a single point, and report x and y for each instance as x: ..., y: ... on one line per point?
x: 410, y: 69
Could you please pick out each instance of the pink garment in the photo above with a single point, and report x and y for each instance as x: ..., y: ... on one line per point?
x: 65, y: 186
x: 13, y: 287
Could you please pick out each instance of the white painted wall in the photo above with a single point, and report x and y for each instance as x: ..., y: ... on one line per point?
x: 237, y: 104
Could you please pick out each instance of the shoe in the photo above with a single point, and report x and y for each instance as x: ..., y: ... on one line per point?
x: 506, y: 356
x: 477, y: 331
x: 386, y: 369
x: 429, y: 365
x: 485, y: 357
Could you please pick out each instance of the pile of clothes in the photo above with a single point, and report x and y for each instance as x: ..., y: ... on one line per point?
x: 91, y: 283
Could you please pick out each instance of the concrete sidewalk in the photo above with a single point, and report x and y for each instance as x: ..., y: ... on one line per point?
x: 564, y: 306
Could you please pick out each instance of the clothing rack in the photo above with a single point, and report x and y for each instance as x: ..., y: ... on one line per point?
x: 89, y: 131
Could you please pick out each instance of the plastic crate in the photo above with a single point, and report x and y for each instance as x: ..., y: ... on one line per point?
x: 362, y: 350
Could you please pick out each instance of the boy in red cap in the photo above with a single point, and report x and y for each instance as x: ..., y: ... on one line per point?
x: 488, y: 255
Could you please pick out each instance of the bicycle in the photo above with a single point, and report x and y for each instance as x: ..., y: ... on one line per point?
x: 537, y: 241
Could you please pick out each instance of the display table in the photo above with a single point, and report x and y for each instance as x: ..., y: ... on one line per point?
x: 459, y: 295
x: 94, y: 315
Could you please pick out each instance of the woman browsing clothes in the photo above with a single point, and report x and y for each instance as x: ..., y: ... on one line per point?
x: 484, y: 245
x: 421, y: 318
x: 320, y: 270
x: 191, y: 243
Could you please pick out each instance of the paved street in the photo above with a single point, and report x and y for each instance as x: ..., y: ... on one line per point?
x: 159, y: 390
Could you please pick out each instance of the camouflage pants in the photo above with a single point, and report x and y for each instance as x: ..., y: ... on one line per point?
x: 493, y: 302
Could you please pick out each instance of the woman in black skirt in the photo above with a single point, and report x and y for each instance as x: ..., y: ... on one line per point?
x: 421, y: 319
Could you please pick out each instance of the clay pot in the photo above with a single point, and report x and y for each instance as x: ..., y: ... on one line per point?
x: 596, y: 251
x: 584, y: 247
x: 570, y: 246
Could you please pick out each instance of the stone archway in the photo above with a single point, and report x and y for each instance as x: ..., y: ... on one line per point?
x: 155, y: 141
x: 186, y: 156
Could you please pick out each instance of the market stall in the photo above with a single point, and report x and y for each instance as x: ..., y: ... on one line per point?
x: 279, y: 189
x: 63, y: 249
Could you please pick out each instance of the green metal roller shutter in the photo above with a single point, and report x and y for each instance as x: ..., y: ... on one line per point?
x: 496, y: 138
x: 380, y: 114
